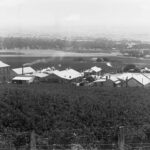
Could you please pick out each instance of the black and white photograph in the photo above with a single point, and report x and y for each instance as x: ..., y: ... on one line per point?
x: 74, y: 74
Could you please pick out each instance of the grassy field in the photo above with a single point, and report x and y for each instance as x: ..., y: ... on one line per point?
x: 17, y: 57
x: 60, y: 63
x: 75, y: 62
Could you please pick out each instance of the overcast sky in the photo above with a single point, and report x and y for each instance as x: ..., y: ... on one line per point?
x: 124, y: 16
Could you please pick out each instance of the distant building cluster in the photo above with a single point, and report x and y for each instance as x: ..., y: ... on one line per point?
x: 90, y: 77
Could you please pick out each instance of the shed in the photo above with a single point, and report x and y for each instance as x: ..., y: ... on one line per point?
x: 23, y: 79
x: 96, y: 69
x: 99, y: 82
x: 93, y: 71
x: 40, y: 76
x: 112, y: 82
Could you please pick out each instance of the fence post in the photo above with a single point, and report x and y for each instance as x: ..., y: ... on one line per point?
x: 121, y: 138
x: 32, y: 141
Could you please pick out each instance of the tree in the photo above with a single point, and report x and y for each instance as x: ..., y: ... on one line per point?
x: 131, y: 68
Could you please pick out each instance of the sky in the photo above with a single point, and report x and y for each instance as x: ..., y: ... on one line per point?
x: 75, y: 16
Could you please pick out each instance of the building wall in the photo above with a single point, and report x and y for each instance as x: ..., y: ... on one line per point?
x: 12, y: 74
x: 108, y: 83
x: 147, y: 85
x: 133, y: 83
x: 4, y: 74
x: 101, y: 84
x: 92, y: 73
x: 52, y: 79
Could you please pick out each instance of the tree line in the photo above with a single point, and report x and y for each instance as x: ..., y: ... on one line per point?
x: 49, y: 43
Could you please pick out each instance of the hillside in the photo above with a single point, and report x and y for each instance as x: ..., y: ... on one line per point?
x: 46, y: 110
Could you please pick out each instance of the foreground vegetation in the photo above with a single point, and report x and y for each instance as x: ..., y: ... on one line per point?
x: 97, y: 112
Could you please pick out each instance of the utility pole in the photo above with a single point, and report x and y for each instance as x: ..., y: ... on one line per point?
x: 121, y: 138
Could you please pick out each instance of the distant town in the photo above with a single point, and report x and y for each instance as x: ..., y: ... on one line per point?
x: 129, y: 76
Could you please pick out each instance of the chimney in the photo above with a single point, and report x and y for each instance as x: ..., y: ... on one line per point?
x: 22, y: 70
x: 126, y: 81
x: 106, y: 77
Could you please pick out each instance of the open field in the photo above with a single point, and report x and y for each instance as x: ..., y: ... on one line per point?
x: 78, y: 61
x: 74, y: 62
x: 51, y: 53
x: 61, y: 63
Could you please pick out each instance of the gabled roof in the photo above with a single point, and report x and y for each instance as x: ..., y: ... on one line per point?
x: 114, y: 79
x: 145, y: 69
x: 117, y: 82
x: 96, y: 69
x: 3, y: 64
x: 23, y: 78
x: 88, y: 71
x: 119, y: 76
x: 57, y: 72
x: 100, y: 80
x: 141, y: 78
x: 68, y: 74
x: 26, y: 70
x: 147, y: 75
x: 40, y: 74
x: 109, y: 64
x: 125, y: 76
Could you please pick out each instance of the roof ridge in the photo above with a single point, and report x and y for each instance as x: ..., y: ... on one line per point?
x: 145, y: 76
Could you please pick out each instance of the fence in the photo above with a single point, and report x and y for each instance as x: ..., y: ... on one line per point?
x: 73, y: 140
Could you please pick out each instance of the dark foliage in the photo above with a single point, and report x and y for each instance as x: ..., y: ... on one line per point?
x: 131, y: 68
x: 96, y: 112
x: 46, y: 43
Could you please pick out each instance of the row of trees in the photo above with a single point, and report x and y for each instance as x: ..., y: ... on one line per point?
x: 46, y: 43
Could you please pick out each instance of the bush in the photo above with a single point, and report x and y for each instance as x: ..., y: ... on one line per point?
x: 131, y: 68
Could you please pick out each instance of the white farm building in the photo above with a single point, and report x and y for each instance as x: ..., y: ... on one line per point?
x: 23, y: 71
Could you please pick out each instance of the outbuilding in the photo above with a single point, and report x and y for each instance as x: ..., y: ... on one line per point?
x: 93, y: 71
x: 112, y: 82
x: 23, y: 79
x: 99, y: 82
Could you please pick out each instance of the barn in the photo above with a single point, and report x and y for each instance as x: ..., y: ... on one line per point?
x: 138, y: 80
x: 4, y: 72
x: 133, y: 82
x: 65, y: 76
